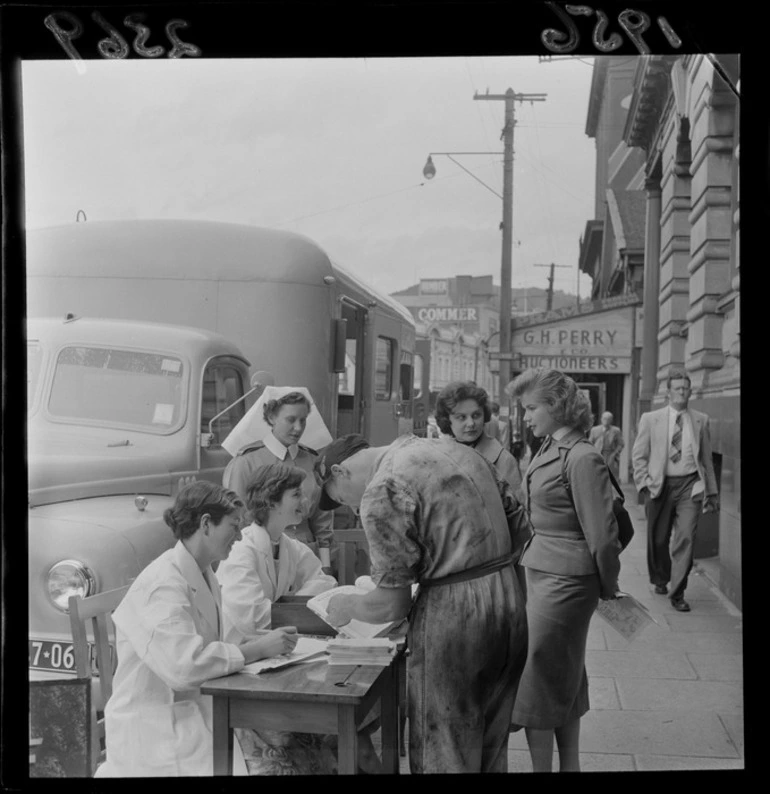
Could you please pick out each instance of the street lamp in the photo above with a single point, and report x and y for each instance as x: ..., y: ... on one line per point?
x: 429, y: 171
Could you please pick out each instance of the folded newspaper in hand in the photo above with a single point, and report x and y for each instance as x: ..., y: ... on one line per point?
x: 628, y: 616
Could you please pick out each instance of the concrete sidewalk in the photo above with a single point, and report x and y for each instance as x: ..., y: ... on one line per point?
x: 672, y: 699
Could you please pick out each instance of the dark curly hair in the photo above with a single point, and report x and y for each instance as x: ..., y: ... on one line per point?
x: 272, y: 407
x: 196, y: 500
x: 454, y: 393
x: 566, y: 403
x: 267, y: 486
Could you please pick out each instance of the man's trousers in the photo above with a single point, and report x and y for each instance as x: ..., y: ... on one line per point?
x: 672, y: 513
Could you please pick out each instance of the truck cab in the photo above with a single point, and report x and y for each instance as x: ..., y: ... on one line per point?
x: 119, y: 418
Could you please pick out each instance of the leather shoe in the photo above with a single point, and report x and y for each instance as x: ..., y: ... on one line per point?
x: 680, y: 605
x: 661, y: 589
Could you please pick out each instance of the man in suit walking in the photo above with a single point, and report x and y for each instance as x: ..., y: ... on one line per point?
x: 608, y: 439
x: 674, y: 471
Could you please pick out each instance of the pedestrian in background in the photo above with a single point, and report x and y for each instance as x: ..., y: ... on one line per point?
x: 432, y: 430
x: 435, y: 514
x: 571, y: 562
x: 674, y: 472
x: 497, y: 428
x: 463, y: 411
x: 608, y: 439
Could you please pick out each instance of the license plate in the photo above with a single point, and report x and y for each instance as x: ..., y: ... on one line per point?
x: 60, y: 656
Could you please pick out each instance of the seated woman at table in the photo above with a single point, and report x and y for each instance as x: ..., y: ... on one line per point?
x: 268, y: 564
x: 168, y: 631
x: 265, y: 565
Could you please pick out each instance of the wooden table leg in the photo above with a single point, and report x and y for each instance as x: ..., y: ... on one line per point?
x: 389, y: 702
x: 347, y: 741
x: 223, y: 737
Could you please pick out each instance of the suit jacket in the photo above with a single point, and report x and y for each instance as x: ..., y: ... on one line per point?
x: 579, y: 540
x: 613, y: 442
x: 650, y: 451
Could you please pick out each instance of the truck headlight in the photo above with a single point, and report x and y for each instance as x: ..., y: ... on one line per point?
x: 68, y: 578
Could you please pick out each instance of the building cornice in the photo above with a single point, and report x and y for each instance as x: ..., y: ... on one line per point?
x: 650, y: 93
x: 596, y: 95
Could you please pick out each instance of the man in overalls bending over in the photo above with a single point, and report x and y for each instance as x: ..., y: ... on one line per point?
x: 435, y: 513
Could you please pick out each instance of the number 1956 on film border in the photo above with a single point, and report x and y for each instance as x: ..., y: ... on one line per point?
x: 633, y: 22
x: 115, y: 46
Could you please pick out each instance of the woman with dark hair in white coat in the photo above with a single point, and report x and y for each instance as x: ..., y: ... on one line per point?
x: 169, y: 636
x: 262, y: 567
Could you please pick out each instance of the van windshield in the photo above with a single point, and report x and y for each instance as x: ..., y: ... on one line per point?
x: 118, y: 387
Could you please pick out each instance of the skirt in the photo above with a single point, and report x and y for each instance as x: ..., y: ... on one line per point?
x: 553, y: 690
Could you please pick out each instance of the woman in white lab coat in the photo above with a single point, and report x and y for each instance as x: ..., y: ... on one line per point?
x: 169, y: 636
x: 267, y: 564
x: 263, y: 566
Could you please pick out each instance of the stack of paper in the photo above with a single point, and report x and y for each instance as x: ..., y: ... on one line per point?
x: 306, y: 649
x: 376, y: 651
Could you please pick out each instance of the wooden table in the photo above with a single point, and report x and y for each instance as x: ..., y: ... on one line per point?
x: 312, y: 697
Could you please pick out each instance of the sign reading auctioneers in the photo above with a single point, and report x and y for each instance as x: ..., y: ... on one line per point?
x: 446, y: 314
x: 588, y: 343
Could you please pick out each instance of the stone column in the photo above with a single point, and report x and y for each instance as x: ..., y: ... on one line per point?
x: 710, y: 219
x: 675, y: 245
x: 649, y: 360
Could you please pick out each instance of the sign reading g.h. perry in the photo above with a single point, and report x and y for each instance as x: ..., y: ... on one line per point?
x: 588, y: 343
x: 446, y: 314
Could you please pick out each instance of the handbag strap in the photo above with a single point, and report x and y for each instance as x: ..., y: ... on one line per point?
x: 563, y: 452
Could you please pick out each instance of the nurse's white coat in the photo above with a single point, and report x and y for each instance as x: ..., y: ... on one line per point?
x: 252, y: 580
x: 169, y: 641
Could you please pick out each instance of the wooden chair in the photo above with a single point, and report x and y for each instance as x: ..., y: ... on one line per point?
x: 95, y: 609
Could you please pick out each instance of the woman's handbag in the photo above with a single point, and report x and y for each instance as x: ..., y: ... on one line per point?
x: 625, y: 526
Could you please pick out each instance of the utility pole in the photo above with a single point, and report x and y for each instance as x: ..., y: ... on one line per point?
x: 549, y: 304
x: 509, y: 97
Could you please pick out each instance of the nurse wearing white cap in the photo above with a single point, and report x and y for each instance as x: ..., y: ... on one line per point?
x: 270, y: 432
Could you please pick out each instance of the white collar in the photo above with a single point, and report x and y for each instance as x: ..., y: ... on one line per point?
x: 559, y: 434
x: 278, y: 449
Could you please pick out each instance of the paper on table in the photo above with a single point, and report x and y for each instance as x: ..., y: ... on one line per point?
x: 628, y: 616
x: 356, y: 629
x: 306, y: 648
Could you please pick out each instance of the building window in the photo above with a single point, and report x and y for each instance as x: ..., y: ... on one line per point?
x: 383, y: 372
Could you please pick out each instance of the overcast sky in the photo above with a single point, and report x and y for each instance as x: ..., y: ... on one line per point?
x: 333, y: 149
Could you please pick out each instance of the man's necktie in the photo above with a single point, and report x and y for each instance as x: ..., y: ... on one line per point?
x: 676, y: 440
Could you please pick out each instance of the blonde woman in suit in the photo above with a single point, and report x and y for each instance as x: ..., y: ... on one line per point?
x: 571, y: 561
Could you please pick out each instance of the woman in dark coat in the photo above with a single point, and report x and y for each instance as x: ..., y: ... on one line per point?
x: 462, y: 410
x: 571, y: 562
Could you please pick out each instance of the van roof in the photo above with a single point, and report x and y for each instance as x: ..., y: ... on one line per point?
x: 186, y: 250
x: 131, y: 333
